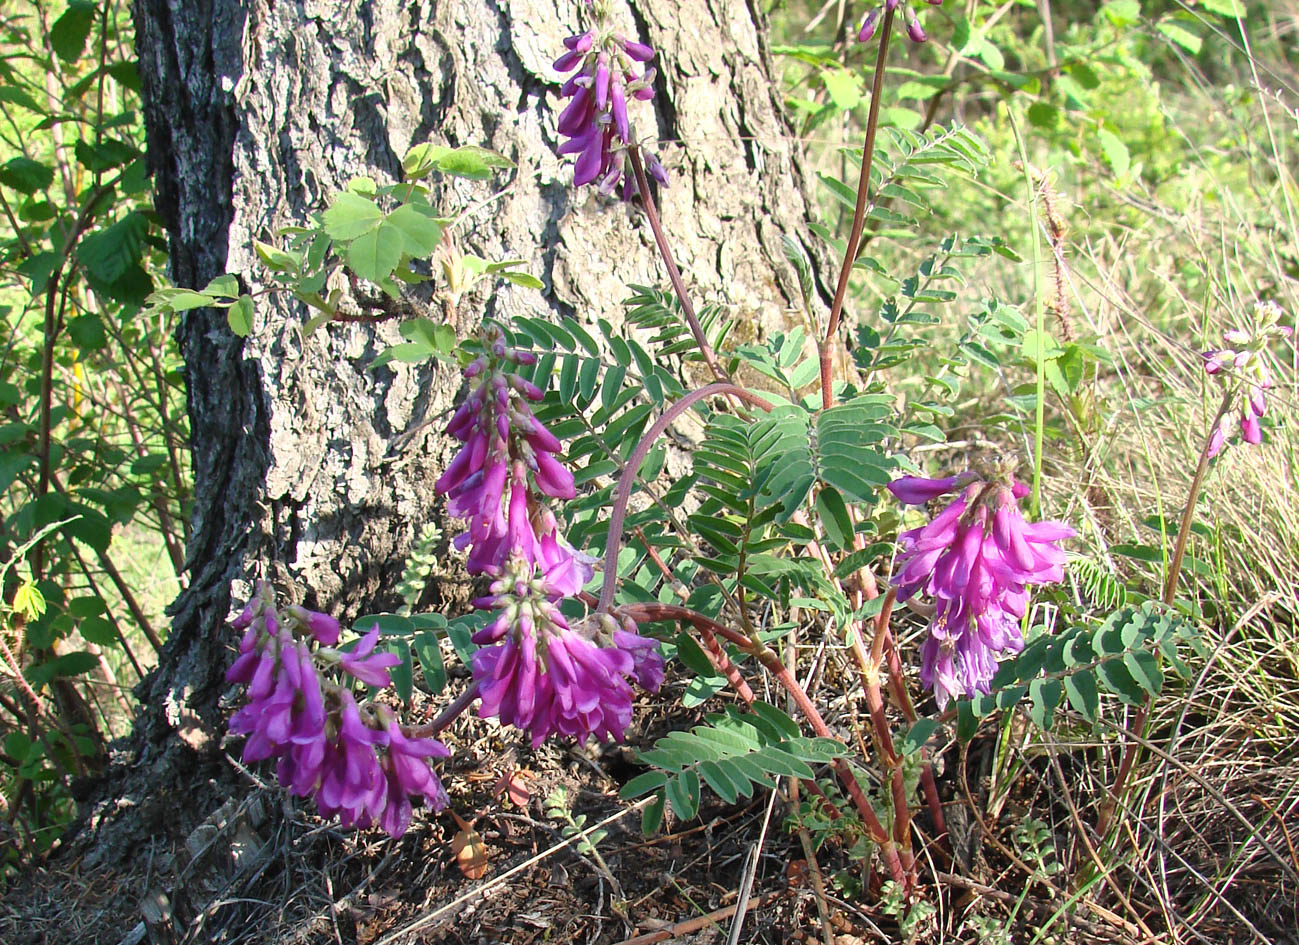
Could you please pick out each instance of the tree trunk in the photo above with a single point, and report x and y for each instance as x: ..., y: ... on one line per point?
x: 311, y: 469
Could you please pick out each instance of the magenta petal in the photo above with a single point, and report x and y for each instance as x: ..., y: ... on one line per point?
x: 917, y: 490
x: 619, y: 108
x: 1250, y: 428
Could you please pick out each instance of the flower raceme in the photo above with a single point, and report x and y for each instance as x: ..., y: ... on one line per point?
x: 355, y: 758
x: 550, y: 678
x: 976, y: 558
x: 596, y: 122
x: 534, y: 670
x: 1246, y: 364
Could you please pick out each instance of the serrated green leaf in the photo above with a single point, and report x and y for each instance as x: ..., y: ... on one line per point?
x: 109, y: 253
x: 74, y: 664
x: 240, y: 316
x: 26, y: 175
x: 97, y: 630
x: 69, y: 33
x: 374, y: 255
x: 419, y: 227
x: 350, y: 216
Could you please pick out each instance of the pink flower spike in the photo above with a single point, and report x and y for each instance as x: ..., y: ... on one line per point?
x: 370, y: 669
x: 581, y: 42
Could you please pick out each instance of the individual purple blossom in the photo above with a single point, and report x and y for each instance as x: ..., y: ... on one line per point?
x: 595, y: 122
x: 353, y: 757
x: 369, y: 667
x: 914, y: 31
x: 1245, y: 365
x: 976, y: 558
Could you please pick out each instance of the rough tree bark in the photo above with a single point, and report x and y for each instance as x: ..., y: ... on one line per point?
x: 310, y: 468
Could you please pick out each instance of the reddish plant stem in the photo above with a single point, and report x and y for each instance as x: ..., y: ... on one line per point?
x: 858, y: 216
x: 896, y: 678
x: 674, y: 274
x: 1138, y: 726
x: 628, y: 477
x: 448, y: 715
x: 927, y: 782
x: 771, y: 662
x: 725, y: 666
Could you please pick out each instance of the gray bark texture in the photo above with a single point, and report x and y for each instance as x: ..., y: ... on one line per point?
x: 312, y: 469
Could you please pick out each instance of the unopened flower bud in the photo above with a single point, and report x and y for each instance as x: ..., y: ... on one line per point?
x: 868, y: 26
x: 915, y: 32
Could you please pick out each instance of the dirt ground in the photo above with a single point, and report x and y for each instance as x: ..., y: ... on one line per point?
x: 496, y: 866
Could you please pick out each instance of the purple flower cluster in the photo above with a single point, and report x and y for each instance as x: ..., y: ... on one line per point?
x: 595, y: 122
x: 976, y: 559
x: 1247, y: 364
x: 549, y: 678
x: 355, y: 758
x: 534, y: 671
x: 915, y: 32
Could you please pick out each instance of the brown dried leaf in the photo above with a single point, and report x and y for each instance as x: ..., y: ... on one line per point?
x: 471, y: 853
x: 516, y: 786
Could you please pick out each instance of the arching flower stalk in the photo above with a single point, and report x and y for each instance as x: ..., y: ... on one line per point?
x: 354, y: 758
x: 976, y: 558
x: 534, y: 670
x: 596, y: 122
